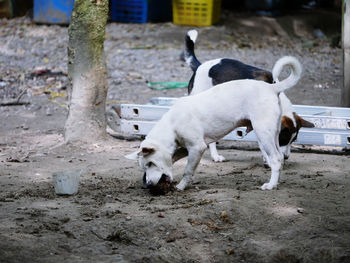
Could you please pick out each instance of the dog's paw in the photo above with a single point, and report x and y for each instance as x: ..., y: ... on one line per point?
x: 268, y: 186
x: 218, y: 158
x: 180, y: 186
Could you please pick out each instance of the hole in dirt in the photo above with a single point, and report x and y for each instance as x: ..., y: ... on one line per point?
x: 163, y: 187
x: 348, y: 140
x: 348, y: 125
x: 136, y: 128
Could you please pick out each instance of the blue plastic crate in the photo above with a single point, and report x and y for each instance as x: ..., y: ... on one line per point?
x: 53, y: 11
x: 140, y: 11
x: 129, y: 11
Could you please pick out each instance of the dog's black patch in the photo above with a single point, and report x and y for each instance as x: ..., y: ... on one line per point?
x: 189, y: 54
x: 190, y: 83
x: 231, y: 69
x: 284, y: 136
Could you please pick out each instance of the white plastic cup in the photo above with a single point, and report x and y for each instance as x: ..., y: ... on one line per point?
x: 66, y: 182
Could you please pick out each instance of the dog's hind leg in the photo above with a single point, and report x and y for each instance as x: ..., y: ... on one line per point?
x: 275, y: 163
x: 271, y: 151
x: 281, y: 150
x: 214, y: 153
x: 265, y: 157
x: 194, y: 156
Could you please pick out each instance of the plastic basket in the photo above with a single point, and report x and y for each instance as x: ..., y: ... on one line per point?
x: 196, y: 12
x: 140, y: 11
x: 53, y: 11
x: 129, y: 11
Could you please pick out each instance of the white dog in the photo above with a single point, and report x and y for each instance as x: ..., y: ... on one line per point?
x: 195, y: 121
x: 217, y: 71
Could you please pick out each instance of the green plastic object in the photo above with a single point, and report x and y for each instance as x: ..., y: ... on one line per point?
x: 167, y: 85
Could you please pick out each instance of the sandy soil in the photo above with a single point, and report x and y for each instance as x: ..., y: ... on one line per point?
x: 223, y: 216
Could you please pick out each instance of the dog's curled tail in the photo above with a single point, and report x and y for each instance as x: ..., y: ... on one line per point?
x: 189, y: 55
x: 292, y: 79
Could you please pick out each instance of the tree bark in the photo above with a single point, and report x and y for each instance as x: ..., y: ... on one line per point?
x: 345, y: 95
x: 87, y: 70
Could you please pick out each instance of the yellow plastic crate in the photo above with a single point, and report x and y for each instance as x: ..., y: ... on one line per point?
x: 196, y: 12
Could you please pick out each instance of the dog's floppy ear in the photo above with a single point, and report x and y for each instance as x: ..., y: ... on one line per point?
x: 133, y: 156
x: 144, y: 151
x: 147, y: 150
x: 306, y: 124
x: 302, y: 122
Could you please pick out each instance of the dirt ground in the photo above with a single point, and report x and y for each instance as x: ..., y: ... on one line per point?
x: 223, y: 216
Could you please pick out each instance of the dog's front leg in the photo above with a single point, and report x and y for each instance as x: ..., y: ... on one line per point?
x: 194, y: 156
x: 214, y: 153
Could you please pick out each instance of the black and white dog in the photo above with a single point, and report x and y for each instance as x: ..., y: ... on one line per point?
x: 218, y: 71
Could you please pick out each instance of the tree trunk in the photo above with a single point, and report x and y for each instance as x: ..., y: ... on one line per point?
x: 6, y: 9
x: 87, y: 70
x: 345, y: 96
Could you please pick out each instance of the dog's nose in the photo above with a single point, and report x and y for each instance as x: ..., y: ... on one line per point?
x: 165, y: 178
x: 149, y: 183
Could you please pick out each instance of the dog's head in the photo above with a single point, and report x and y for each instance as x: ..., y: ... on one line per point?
x: 155, y: 161
x: 290, y: 129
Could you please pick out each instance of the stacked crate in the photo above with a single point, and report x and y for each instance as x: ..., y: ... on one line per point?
x: 140, y: 11
x: 196, y: 12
